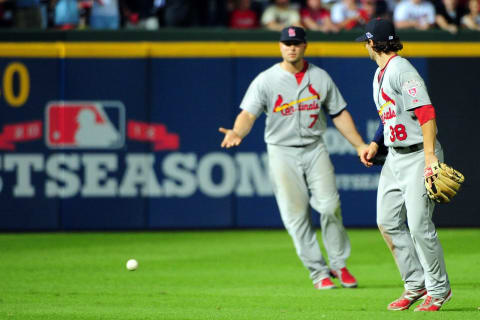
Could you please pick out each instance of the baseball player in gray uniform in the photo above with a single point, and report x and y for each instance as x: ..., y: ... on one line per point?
x: 408, y: 129
x: 295, y: 96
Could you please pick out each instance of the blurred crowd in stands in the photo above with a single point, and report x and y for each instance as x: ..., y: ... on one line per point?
x: 318, y: 15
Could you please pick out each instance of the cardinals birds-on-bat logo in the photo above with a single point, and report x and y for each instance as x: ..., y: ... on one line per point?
x: 280, y: 106
x: 387, y: 98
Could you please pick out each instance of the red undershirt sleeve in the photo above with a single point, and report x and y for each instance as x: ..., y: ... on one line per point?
x: 425, y: 113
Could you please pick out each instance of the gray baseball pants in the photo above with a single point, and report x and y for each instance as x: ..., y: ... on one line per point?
x: 301, y: 176
x: 402, y: 197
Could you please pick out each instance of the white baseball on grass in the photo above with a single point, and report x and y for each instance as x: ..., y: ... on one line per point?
x: 132, y: 264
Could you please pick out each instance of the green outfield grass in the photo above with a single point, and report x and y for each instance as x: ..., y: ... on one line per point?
x: 211, y: 275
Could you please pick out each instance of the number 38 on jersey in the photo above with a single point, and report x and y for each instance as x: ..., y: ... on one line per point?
x: 398, y: 133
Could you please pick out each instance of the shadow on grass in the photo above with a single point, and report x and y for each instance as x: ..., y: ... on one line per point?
x: 472, y: 309
x: 379, y: 286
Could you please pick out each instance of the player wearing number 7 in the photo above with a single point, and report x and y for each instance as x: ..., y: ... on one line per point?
x: 408, y: 129
x: 295, y: 96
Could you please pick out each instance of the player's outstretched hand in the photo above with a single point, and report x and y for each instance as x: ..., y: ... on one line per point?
x: 367, y: 154
x: 231, y: 139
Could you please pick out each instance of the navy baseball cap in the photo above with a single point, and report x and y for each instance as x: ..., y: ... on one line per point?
x: 293, y: 34
x: 378, y: 30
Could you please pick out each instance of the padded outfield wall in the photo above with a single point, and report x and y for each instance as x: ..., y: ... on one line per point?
x: 98, y: 133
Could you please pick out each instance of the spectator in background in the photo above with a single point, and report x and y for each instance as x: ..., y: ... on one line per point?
x: 66, y: 14
x: 141, y: 14
x: 472, y: 19
x: 280, y: 15
x: 85, y: 6
x: 105, y: 14
x: 448, y: 15
x: 242, y: 16
x: 28, y: 14
x: 316, y: 17
x: 347, y: 15
x: 370, y: 7
x: 417, y: 14
x: 376, y: 9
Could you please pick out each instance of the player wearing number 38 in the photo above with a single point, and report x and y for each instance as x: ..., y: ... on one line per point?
x: 408, y: 129
x: 295, y: 96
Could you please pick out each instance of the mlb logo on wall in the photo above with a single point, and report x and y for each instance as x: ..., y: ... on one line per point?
x: 85, y: 124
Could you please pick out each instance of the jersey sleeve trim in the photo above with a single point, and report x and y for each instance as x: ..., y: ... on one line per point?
x: 338, y: 113
x: 378, y: 138
x: 425, y: 113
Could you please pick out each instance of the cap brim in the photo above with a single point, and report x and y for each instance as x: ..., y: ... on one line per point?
x: 361, y: 38
x: 293, y: 40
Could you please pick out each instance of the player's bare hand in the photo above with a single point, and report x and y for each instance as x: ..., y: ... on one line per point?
x: 429, y: 159
x: 231, y: 139
x: 368, y: 153
x: 360, y: 148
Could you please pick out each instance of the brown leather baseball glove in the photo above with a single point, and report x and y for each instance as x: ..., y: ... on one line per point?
x: 442, y: 182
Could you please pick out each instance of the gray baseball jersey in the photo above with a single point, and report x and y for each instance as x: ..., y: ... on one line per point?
x: 399, y: 92
x: 295, y: 113
x: 301, y: 172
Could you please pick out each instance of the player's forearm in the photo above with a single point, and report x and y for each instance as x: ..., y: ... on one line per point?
x: 243, y: 123
x: 345, y: 125
x: 429, y: 131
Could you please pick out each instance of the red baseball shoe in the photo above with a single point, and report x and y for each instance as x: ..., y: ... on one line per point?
x: 406, y: 299
x: 345, y: 277
x: 433, y: 304
x: 324, y: 284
